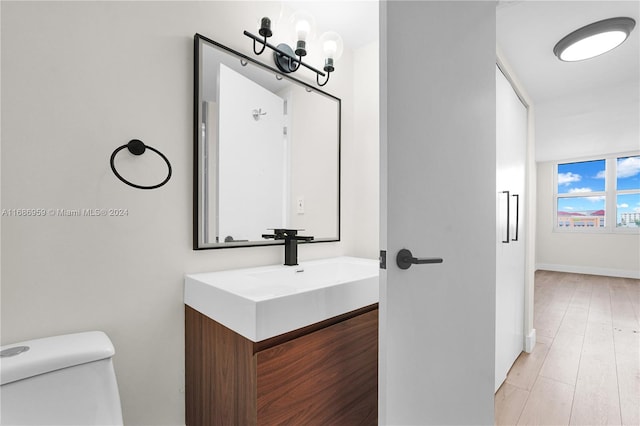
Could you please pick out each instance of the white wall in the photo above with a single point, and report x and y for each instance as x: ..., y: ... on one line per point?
x: 314, y: 163
x: 362, y: 189
x: 78, y: 80
x: 612, y: 254
x: 607, y: 122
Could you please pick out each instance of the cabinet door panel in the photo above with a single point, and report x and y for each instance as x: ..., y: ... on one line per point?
x: 220, y: 374
x: 511, y: 143
x: 326, y: 377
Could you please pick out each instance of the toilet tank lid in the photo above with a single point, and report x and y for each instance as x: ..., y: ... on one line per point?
x: 54, y: 353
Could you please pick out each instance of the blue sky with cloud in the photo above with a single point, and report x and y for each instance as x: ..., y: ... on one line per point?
x: 589, y: 176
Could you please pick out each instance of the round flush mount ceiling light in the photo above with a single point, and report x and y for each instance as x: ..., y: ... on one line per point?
x: 594, y: 39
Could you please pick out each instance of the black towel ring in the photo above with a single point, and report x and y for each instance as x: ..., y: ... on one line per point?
x: 137, y: 147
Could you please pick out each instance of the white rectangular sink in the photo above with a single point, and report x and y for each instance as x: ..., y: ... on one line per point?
x: 264, y: 302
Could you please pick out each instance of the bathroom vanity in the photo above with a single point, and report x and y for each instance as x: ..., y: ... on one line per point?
x: 283, y: 345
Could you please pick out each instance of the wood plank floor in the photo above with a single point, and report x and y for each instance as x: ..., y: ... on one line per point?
x: 585, y: 367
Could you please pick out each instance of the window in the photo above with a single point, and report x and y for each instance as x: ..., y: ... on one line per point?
x: 600, y: 195
x: 574, y: 208
x: 628, y: 192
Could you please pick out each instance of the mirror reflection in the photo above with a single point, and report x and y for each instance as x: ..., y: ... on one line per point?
x: 267, y: 152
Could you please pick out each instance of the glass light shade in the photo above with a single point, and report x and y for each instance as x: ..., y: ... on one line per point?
x: 594, y: 39
x: 332, y: 45
x: 593, y: 46
x: 303, y: 25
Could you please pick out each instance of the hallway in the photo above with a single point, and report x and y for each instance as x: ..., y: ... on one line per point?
x: 585, y: 368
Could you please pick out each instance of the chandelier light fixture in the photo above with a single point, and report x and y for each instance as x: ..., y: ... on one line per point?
x: 289, y: 60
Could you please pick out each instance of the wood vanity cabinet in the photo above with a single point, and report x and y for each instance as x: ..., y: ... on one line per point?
x: 323, y: 374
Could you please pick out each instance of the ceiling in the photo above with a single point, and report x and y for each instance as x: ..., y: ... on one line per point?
x: 527, y: 31
x: 583, y: 108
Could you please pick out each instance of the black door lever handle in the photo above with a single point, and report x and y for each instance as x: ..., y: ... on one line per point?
x: 405, y: 259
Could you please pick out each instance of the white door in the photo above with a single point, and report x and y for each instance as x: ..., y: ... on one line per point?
x: 438, y: 162
x: 252, y: 156
x: 511, y: 142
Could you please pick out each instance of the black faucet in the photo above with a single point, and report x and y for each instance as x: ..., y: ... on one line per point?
x: 291, y: 238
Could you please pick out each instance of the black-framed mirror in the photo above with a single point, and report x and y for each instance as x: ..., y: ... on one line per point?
x: 266, y: 152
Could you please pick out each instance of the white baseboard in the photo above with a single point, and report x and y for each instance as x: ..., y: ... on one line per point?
x: 530, y: 341
x: 589, y: 270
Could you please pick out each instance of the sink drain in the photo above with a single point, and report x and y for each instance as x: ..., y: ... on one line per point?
x: 16, y: 350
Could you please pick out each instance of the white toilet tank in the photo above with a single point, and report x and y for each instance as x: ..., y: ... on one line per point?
x: 61, y: 380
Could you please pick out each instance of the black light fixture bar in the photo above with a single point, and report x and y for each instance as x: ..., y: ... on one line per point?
x: 263, y: 41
